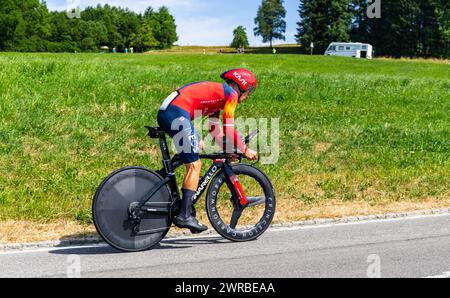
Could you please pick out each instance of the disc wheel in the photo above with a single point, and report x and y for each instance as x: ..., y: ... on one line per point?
x: 110, y: 209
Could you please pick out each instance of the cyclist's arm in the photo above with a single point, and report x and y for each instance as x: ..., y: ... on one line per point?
x: 228, y: 124
x: 215, y: 129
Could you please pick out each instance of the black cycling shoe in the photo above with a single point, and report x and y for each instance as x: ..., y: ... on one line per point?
x: 190, y: 223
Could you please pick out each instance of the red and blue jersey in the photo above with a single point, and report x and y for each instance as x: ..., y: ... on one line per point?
x: 209, y: 99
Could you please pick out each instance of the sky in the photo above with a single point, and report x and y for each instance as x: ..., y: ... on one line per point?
x: 201, y: 22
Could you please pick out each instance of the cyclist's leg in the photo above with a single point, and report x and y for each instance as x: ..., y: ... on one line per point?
x: 190, y: 184
x: 176, y: 122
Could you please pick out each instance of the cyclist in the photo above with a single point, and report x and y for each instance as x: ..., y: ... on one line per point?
x: 197, y: 100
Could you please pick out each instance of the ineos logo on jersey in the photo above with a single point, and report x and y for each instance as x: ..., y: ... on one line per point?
x: 239, y: 77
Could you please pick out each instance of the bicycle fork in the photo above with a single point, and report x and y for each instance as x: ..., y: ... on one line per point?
x: 236, y: 186
x: 239, y: 198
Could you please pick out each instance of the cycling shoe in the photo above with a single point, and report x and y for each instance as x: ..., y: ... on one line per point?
x: 190, y: 223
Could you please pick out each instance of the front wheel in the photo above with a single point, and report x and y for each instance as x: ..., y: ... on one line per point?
x: 228, y: 217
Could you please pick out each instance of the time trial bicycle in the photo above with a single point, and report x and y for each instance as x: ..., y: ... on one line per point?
x: 133, y: 207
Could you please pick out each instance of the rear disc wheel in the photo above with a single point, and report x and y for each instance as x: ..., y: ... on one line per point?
x: 112, y: 202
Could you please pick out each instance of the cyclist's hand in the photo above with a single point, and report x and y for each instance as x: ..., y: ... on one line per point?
x: 234, y: 157
x: 251, y: 155
x: 202, y: 146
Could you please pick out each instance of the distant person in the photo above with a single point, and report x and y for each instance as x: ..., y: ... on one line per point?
x: 126, y: 50
x: 197, y: 100
x: 274, y: 51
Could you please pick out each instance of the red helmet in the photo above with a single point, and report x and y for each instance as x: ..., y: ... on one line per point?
x: 245, y: 79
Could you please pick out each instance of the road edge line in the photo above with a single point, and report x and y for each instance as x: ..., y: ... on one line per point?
x: 92, y: 240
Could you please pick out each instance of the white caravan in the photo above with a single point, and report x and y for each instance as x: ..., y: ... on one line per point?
x: 350, y: 49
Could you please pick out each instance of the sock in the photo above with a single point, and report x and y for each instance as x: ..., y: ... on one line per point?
x: 186, y: 203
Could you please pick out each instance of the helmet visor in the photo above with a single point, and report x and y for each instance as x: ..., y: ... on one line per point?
x: 250, y: 89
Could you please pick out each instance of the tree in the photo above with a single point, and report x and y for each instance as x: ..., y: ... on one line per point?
x: 145, y: 39
x: 167, y: 33
x: 442, y: 14
x: 128, y: 23
x: 322, y: 22
x: 24, y: 25
x: 396, y: 33
x: 313, y: 25
x: 270, y: 23
x: 60, y: 27
x: 66, y: 35
x: 240, y: 38
x: 339, y: 20
x: 37, y: 25
x: 407, y: 28
x: 93, y: 35
x: 360, y: 21
x: 427, y: 23
x: 11, y: 25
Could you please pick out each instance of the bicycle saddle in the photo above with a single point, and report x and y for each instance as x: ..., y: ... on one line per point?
x: 155, y: 132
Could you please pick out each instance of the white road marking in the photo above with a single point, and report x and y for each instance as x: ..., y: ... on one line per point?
x: 102, y: 245
x: 443, y: 275
x: 270, y: 230
x: 47, y: 249
x: 362, y: 222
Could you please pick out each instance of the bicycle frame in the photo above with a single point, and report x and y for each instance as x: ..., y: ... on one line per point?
x: 221, y: 161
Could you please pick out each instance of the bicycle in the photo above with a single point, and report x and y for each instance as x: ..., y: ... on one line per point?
x: 134, y: 206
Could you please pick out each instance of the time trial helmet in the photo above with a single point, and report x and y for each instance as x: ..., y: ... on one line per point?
x: 244, y: 78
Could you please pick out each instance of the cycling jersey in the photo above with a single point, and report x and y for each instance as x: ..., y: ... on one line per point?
x: 209, y: 99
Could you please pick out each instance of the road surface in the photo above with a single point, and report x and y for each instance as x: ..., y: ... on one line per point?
x: 407, y: 247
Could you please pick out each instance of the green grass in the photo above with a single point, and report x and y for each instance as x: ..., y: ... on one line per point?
x: 377, y: 131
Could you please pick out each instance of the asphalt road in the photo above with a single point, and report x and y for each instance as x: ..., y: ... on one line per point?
x: 408, y: 247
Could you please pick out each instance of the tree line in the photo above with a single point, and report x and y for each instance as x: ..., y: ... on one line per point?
x: 28, y: 26
x: 403, y: 28
x: 399, y: 27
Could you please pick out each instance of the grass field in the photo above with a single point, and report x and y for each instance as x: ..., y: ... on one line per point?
x: 356, y: 136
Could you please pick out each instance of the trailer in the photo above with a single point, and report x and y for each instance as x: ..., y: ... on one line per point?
x: 350, y: 49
